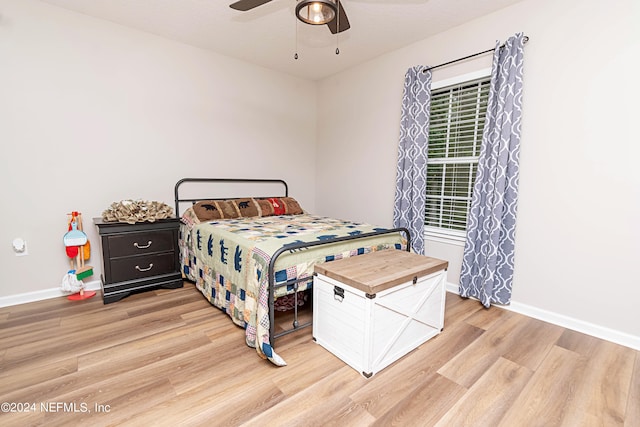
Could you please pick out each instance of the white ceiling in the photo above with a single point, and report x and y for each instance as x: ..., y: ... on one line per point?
x: 267, y: 35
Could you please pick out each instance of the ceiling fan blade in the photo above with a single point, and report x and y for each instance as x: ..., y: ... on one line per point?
x: 342, y: 18
x: 244, y: 5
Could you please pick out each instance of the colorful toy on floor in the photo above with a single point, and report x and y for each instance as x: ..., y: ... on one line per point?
x: 78, y: 250
x: 70, y: 283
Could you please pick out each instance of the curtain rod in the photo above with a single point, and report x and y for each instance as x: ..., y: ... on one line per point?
x: 526, y: 39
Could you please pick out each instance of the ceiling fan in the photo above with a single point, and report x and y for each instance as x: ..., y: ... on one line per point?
x: 313, y: 12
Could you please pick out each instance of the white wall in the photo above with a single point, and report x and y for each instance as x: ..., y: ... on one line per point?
x: 92, y: 113
x: 577, y: 231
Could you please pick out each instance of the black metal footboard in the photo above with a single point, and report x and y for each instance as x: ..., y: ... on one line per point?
x: 295, y: 282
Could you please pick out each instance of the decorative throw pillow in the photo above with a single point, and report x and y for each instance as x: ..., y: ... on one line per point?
x: 228, y: 209
x: 278, y: 205
x: 291, y: 206
x: 265, y: 207
x: 207, y: 210
x: 246, y: 207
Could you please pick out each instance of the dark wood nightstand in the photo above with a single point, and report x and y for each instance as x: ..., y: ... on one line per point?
x: 138, y: 257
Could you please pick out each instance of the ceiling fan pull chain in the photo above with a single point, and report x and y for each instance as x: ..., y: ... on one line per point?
x: 296, y: 55
x: 338, y: 32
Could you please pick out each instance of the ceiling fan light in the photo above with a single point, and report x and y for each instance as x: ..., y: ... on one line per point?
x: 316, y: 12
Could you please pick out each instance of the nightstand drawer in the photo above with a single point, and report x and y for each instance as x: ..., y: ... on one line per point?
x: 140, y: 243
x: 138, y: 267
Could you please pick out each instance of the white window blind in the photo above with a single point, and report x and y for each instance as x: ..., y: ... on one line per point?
x: 455, y: 133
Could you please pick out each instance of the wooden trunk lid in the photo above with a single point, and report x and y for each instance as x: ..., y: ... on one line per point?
x: 381, y: 270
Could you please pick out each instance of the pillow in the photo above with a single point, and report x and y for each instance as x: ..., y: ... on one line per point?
x: 291, y: 206
x: 207, y: 210
x: 279, y: 206
x: 228, y: 209
x: 246, y: 207
x: 265, y: 208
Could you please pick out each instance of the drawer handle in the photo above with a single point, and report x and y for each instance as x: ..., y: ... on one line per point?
x: 142, y: 247
x: 338, y: 293
x: 145, y: 269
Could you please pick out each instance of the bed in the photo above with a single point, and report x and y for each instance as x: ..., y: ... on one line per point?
x: 248, y: 254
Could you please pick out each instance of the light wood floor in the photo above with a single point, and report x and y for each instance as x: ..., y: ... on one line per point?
x: 167, y: 357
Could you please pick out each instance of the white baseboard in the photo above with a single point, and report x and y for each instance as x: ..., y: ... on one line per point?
x: 594, y: 330
x: 7, y: 301
x: 453, y: 288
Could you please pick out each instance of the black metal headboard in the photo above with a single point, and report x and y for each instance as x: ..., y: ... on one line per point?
x: 179, y: 199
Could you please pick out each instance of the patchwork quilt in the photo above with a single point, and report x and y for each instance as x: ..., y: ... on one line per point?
x: 229, y: 259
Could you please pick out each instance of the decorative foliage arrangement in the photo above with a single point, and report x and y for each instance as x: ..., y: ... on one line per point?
x: 133, y: 211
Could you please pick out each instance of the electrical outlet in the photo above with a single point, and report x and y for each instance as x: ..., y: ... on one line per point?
x: 20, y: 247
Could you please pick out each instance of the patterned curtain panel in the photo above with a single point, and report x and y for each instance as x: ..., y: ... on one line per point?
x: 487, y: 266
x: 411, y: 178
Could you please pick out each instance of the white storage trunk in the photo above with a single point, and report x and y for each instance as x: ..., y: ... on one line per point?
x: 370, y: 310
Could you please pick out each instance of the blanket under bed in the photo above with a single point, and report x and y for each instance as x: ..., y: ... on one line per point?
x: 229, y: 259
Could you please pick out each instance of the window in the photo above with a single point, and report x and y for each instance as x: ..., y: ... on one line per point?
x: 455, y: 133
